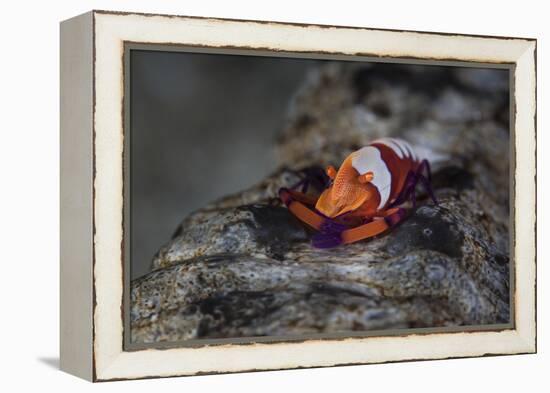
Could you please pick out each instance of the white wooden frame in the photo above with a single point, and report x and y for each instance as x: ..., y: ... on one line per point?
x: 92, y: 144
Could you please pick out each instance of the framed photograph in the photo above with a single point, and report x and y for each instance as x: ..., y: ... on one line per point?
x: 245, y: 195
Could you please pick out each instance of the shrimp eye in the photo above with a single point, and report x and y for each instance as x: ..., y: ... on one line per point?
x: 331, y: 172
x: 366, y: 178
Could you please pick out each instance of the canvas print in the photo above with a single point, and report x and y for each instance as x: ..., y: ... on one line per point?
x: 279, y: 198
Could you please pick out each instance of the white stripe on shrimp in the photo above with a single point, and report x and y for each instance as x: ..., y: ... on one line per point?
x: 392, y: 144
x: 409, y: 148
x: 369, y: 159
x: 413, y: 151
x: 404, y: 146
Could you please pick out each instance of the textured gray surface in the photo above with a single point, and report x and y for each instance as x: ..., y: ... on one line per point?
x: 243, y: 266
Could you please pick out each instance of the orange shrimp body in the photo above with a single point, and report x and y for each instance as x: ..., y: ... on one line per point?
x: 363, y: 195
x: 369, y: 179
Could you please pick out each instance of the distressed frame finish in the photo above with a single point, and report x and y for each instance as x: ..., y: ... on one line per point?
x: 93, y: 189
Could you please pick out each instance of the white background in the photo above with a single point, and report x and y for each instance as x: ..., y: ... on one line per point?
x: 29, y: 196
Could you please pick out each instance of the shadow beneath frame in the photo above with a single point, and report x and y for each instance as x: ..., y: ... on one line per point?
x: 52, y: 362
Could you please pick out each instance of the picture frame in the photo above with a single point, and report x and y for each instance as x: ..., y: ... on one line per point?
x: 94, y: 275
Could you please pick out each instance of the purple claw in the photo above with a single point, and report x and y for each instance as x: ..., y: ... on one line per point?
x: 409, y: 188
x: 428, y: 187
x: 329, y: 236
x: 395, y: 218
x: 326, y: 240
